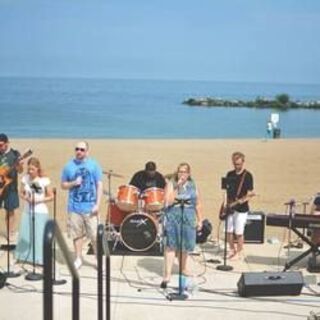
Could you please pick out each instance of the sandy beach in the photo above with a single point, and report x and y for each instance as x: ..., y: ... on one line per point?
x: 282, y: 169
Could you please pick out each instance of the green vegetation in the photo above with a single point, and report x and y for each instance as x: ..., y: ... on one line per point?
x: 280, y: 102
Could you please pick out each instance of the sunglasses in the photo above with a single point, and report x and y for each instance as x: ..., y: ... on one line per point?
x: 80, y: 149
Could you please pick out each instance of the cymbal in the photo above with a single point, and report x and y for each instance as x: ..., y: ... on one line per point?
x: 112, y: 174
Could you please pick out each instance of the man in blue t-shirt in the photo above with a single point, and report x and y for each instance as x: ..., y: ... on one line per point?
x: 82, y: 176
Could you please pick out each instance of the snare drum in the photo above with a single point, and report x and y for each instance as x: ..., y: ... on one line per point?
x: 153, y: 199
x: 138, y: 231
x: 127, y: 199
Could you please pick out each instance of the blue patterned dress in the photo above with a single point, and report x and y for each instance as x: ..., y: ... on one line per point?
x: 173, y: 217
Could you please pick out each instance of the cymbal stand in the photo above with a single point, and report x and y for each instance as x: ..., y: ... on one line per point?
x: 110, y: 229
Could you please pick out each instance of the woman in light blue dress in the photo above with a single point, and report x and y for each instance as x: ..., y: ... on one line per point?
x: 181, y: 187
x: 35, y: 190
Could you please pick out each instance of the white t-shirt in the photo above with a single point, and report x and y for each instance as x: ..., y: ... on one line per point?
x: 38, y: 187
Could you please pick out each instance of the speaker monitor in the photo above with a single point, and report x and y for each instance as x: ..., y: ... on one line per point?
x: 254, y: 229
x: 270, y: 283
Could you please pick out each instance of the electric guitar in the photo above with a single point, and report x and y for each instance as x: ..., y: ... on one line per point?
x: 5, y: 171
x: 226, y: 208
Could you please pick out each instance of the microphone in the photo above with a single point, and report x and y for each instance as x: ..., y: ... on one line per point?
x: 291, y: 202
x: 35, y: 187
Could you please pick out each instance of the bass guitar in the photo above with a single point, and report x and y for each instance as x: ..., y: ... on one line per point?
x: 5, y: 171
x: 226, y: 208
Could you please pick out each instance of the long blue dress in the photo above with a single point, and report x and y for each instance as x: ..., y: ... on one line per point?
x: 173, y: 218
x: 24, y: 249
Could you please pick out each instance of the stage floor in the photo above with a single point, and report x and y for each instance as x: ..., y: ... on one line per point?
x: 135, y: 292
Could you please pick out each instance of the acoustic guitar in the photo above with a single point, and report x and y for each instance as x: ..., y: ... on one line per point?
x: 5, y: 180
x: 226, y: 208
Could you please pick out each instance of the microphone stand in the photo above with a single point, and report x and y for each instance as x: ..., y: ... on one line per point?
x: 291, y: 205
x: 33, y: 276
x: 180, y: 295
x: 224, y: 266
x: 54, y: 280
x: 8, y: 247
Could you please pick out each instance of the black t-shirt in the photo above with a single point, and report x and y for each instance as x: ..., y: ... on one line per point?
x: 142, y: 181
x: 234, y: 181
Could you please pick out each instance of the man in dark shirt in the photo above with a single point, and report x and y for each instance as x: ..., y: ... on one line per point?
x: 239, y: 191
x: 9, y: 198
x: 148, y: 178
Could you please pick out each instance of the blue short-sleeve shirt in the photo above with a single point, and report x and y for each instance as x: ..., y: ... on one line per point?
x: 82, y: 198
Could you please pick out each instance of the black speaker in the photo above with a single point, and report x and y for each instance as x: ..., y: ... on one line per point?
x: 254, y: 228
x: 270, y: 283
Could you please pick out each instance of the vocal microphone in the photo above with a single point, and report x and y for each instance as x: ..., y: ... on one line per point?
x: 35, y: 187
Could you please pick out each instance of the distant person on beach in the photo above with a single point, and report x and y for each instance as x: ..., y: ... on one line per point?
x: 239, y: 191
x: 82, y: 176
x: 180, y: 190
x: 269, y: 130
x: 10, y: 166
x: 148, y: 178
x: 35, y: 190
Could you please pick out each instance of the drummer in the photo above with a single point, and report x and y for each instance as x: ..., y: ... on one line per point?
x: 148, y: 178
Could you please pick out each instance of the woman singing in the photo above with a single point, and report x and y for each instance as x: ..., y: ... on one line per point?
x: 36, y: 192
x: 180, y: 190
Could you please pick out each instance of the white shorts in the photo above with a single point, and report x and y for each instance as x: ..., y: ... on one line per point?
x: 237, y: 222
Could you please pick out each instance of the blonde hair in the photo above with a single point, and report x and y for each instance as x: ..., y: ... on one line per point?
x: 182, y: 164
x: 33, y: 161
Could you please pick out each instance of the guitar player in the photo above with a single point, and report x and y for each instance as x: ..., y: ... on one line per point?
x: 9, y: 198
x: 239, y: 191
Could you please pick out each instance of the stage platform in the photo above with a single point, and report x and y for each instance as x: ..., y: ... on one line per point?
x: 135, y: 292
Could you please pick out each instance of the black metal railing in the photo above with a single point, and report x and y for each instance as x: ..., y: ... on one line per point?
x: 51, y: 233
x: 103, y: 248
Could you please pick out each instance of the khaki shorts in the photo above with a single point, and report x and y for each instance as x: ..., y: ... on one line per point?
x: 81, y: 225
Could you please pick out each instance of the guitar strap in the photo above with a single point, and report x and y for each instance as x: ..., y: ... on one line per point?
x: 240, y: 184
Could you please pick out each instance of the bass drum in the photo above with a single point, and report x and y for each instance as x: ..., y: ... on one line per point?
x: 138, y: 231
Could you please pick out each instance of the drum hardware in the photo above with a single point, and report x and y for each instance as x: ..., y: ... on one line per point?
x: 110, y: 173
x: 111, y: 201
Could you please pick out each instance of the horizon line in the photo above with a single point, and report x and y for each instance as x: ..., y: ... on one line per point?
x: 155, y: 79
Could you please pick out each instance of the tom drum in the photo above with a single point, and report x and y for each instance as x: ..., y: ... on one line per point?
x: 153, y: 199
x: 127, y: 199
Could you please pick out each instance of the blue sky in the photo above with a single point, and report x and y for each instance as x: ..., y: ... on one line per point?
x: 229, y: 40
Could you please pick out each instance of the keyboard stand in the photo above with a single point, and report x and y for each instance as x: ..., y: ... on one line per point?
x: 313, y: 249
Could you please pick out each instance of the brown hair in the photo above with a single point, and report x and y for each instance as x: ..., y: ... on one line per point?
x: 33, y: 161
x: 238, y: 155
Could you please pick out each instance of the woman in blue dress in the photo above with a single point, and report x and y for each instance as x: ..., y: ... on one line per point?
x: 180, y: 189
x: 35, y: 190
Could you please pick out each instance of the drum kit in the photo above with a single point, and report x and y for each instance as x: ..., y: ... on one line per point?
x: 134, y: 217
